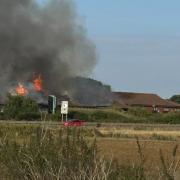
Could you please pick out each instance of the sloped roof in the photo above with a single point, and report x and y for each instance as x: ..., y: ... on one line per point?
x: 143, y: 99
x: 173, y: 103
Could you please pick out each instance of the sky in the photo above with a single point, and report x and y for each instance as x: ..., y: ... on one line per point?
x: 137, y: 41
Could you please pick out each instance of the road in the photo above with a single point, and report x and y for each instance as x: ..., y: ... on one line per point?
x: 133, y: 126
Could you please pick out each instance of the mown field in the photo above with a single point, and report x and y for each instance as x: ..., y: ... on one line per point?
x: 34, y: 152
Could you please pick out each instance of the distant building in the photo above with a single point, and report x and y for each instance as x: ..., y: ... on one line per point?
x: 151, y: 102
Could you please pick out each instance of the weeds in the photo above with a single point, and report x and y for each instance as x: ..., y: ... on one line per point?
x: 169, y: 169
x: 69, y: 156
x: 38, y: 153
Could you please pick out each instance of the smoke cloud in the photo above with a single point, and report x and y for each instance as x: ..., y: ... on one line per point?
x: 49, y: 40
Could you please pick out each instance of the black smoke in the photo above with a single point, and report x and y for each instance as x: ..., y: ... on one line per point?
x: 49, y: 40
x: 90, y: 92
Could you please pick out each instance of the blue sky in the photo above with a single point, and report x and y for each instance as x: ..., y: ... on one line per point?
x: 138, y: 43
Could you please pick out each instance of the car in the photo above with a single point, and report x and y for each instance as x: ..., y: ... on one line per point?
x: 74, y: 122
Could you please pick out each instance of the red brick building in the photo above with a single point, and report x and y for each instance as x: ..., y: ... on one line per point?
x: 151, y: 102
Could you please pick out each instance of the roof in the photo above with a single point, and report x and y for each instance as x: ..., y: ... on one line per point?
x: 143, y: 99
x: 173, y: 103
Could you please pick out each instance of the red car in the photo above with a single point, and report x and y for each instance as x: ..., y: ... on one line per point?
x: 74, y: 122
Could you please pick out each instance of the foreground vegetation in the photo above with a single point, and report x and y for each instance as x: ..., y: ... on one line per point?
x: 39, y: 153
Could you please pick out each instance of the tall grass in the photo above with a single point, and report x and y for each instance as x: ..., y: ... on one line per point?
x: 43, y: 156
x: 37, y: 153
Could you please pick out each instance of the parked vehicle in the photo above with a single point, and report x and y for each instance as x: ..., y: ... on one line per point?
x: 74, y: 122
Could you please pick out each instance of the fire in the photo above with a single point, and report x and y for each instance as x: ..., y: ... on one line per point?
x: 37, y: 86
x: 21, y: 90
x: 38, y: 83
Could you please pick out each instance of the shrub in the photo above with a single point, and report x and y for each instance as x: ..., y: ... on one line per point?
x: 55, y: 117
x: 2, y: 116
x: 175, y: 98
x: 108, y: 116
x: 19, y: 108
x: 99, y: 115
x: 170, y: 118
x: 79, y: 115
x: 134, y: 115
x: 139, y: 112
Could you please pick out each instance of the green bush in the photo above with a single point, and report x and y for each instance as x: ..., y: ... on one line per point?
x: 139, y: 112
x: 134, y: 115
x: 21, y: 108
x: 28, y: 116
x: 175, y: 98
x: 2, y: 116
x: 79, y: 115
x: 55, y: 117
x: 103, y: 115
x: 169, y: 118
x: 108, y: 116
x: 99, y: 115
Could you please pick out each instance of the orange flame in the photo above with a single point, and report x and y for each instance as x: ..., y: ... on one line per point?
x: 38, y: 83
x: 21, y: 90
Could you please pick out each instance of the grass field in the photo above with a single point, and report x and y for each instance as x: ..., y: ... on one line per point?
x: 127, y: 152
x: 167, y: 135
x: 153, y: 148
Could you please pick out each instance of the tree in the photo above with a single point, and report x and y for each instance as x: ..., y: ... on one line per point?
x: 175, y: 98
x: 21, y: 108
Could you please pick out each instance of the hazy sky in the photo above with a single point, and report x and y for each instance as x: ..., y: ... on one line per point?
x: 138, y: 43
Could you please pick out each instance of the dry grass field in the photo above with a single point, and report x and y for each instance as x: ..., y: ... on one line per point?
x: 120, y: 144
x: 127, y: 153
x: 145, y: 134
x: 126, y: 150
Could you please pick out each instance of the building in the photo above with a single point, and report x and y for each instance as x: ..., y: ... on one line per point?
x: 151, y: 102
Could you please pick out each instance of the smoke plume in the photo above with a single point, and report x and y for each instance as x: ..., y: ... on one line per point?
x: 49, y: 40
x: 90, y: 92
